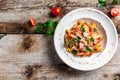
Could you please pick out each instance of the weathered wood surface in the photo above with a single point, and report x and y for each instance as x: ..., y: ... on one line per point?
x: 17, y: 12
x: 32, y: 56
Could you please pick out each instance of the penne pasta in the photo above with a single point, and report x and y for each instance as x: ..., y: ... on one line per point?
x: 83, y: 39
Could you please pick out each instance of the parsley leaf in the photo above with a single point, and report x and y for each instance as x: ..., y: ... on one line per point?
x: 115, y: 1
x: 39, y: 28
x: 48, y: 26
x: 49, y: 23
x: 49, y: 32
x: 74, y: 52
x: 82, y: 28
x: 95, y: 29
x: 101, y: 3
x: 88, y: 49
x: 92, y: 40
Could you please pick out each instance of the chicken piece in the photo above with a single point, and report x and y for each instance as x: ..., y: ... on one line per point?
x: 85, y: 34
x: 86, y: 28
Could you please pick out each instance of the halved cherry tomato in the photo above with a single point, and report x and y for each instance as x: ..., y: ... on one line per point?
x: 91, y: 30
x: 33, y: 21
x: 81, y: 53
x: 115, y: 12
x: 56, y: 11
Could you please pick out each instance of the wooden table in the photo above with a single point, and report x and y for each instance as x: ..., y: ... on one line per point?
x: 32, y: 56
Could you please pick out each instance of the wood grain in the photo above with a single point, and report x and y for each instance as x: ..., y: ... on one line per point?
x: 39, y: 61
x: 16, y: 12
x: 32, y: 56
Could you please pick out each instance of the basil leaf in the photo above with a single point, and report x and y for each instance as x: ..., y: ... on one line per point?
x: 74, y: 52
x: 82, y: 28
x: 92, y: 40
x: 95, y: 29
x: 88, y: 49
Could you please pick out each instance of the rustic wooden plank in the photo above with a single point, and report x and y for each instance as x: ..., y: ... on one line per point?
x: 16, y: 12
x: 32, y: 56
x: 38, y: 60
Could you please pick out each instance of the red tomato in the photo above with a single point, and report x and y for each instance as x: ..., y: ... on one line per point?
x: 81, y: 53
x: 115, y: 12
x: 56, y: 11
x: 91, y: 31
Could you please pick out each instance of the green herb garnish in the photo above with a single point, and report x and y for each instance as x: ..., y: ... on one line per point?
x: 95, y: 29
x: 74, y: 52
x: 76, y: 39
x: 48, y: 26
x: 82, y: 28
x: 101, y: 3
x: 115, y: 1
x: 39, y: 28
x: 67, y: 42
x: 92, y: 40
x: 88, y: 49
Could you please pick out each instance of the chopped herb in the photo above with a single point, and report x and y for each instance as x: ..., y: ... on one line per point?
x: 74, y: 52
x: 88, y: 49
x: 82, y: 28
x: 92, y: 39
x: 115, y: 1
x: 39, y: 28
x: 95, y: 29
x: 76, y: 39
x: 67, y: 42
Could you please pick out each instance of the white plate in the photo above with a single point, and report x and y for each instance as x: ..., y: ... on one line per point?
x: 107, y: 29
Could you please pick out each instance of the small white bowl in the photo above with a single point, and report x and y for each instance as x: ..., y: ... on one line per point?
x: 107, y: 29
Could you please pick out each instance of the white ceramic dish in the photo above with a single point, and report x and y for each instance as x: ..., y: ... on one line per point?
x: 107, y: 29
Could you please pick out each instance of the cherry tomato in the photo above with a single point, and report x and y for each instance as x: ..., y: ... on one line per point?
x: 81, y: 53
x: 33, y: 21
x: 115, y: 12
x: 56, y: 11
x: 91, y: 31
